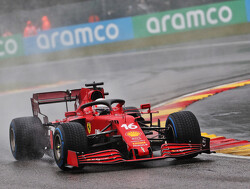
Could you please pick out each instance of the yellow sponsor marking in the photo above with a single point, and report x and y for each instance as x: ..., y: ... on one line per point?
x: 239, y: 84
x: 164, y: 112
x: 246, y: 82
x: 162, y: 123
x: 194, y: 97
x: 133, y: 133
x: 240, y: 150
x: 169, y: 111
x: 138, y: 143
x: 190, y: 98
x: 211, y: 136
x: 204, y: 134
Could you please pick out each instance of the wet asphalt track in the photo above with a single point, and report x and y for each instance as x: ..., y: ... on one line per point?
x: 226, y: 114
x: 152, y: 76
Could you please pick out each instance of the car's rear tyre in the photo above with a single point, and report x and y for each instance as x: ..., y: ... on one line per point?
x: 183, y: 127
x: 68, y: 136
x: 27, y: 138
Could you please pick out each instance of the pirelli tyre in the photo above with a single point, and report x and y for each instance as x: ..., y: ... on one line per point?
x: 27, y: 138
x: 183, y: 127
x: 68, y: 136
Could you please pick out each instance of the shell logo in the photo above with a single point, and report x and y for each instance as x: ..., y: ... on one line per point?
x: 133, y: 133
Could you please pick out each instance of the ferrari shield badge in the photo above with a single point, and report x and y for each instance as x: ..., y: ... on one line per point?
x: 89, y: 127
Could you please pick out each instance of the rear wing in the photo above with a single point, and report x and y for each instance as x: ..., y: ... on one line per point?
x: 52, y: 97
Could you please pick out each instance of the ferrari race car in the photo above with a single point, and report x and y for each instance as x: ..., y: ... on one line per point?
x: 102, y: 131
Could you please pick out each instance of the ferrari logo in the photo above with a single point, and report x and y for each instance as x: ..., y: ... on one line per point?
x: 89, y: 127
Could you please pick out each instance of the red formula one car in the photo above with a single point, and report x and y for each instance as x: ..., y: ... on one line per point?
x: 102, y: 131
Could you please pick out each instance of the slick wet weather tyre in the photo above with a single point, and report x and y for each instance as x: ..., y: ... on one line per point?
x: 27, y: 138
x: 183, y: 127
x: 68, y: 136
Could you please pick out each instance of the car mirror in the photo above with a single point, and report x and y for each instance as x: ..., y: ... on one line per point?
x: 145, y: 106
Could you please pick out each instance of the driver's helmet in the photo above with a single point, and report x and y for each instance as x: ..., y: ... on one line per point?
x: 100, y: 109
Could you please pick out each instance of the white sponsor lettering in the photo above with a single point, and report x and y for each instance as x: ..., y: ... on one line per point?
x: 178, y: 25
x: 130, y: 126
x: 10, y: 47
x: 164, y: 22
x: 112, y: 35
x: 67, y: 38
x: 209, y: 16
x: 97, y: 34
x: 43, y: 42
x: 1, y: 53
x: 190, y: 19
x: 53, y: 39
x: 194, y: 18
x: 229, y: 14
x: 84, y: 33
x: 156, y: 25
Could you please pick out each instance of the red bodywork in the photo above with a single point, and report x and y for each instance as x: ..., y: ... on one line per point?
x: 117, y: 123
x: 113, y: 156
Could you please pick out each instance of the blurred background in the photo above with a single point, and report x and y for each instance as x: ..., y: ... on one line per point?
x: 145, y: 51
x: 71, y: 12
x: 49, y: 22
x: 127, y: 44
x: 52, y: 24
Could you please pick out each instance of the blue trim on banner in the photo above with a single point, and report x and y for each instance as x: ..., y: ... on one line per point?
x: 248, y: 9
x: 79, y: 36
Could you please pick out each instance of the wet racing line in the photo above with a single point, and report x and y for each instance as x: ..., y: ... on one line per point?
x: 220, y: 144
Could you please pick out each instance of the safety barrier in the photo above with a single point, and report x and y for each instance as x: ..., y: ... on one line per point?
x: 141, y: 27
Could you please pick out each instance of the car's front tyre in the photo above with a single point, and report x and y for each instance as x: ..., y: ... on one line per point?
x: 68, y: 136
x: 183, y: 127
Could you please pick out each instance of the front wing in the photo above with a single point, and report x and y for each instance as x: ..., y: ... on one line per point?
x: 113, y: 156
